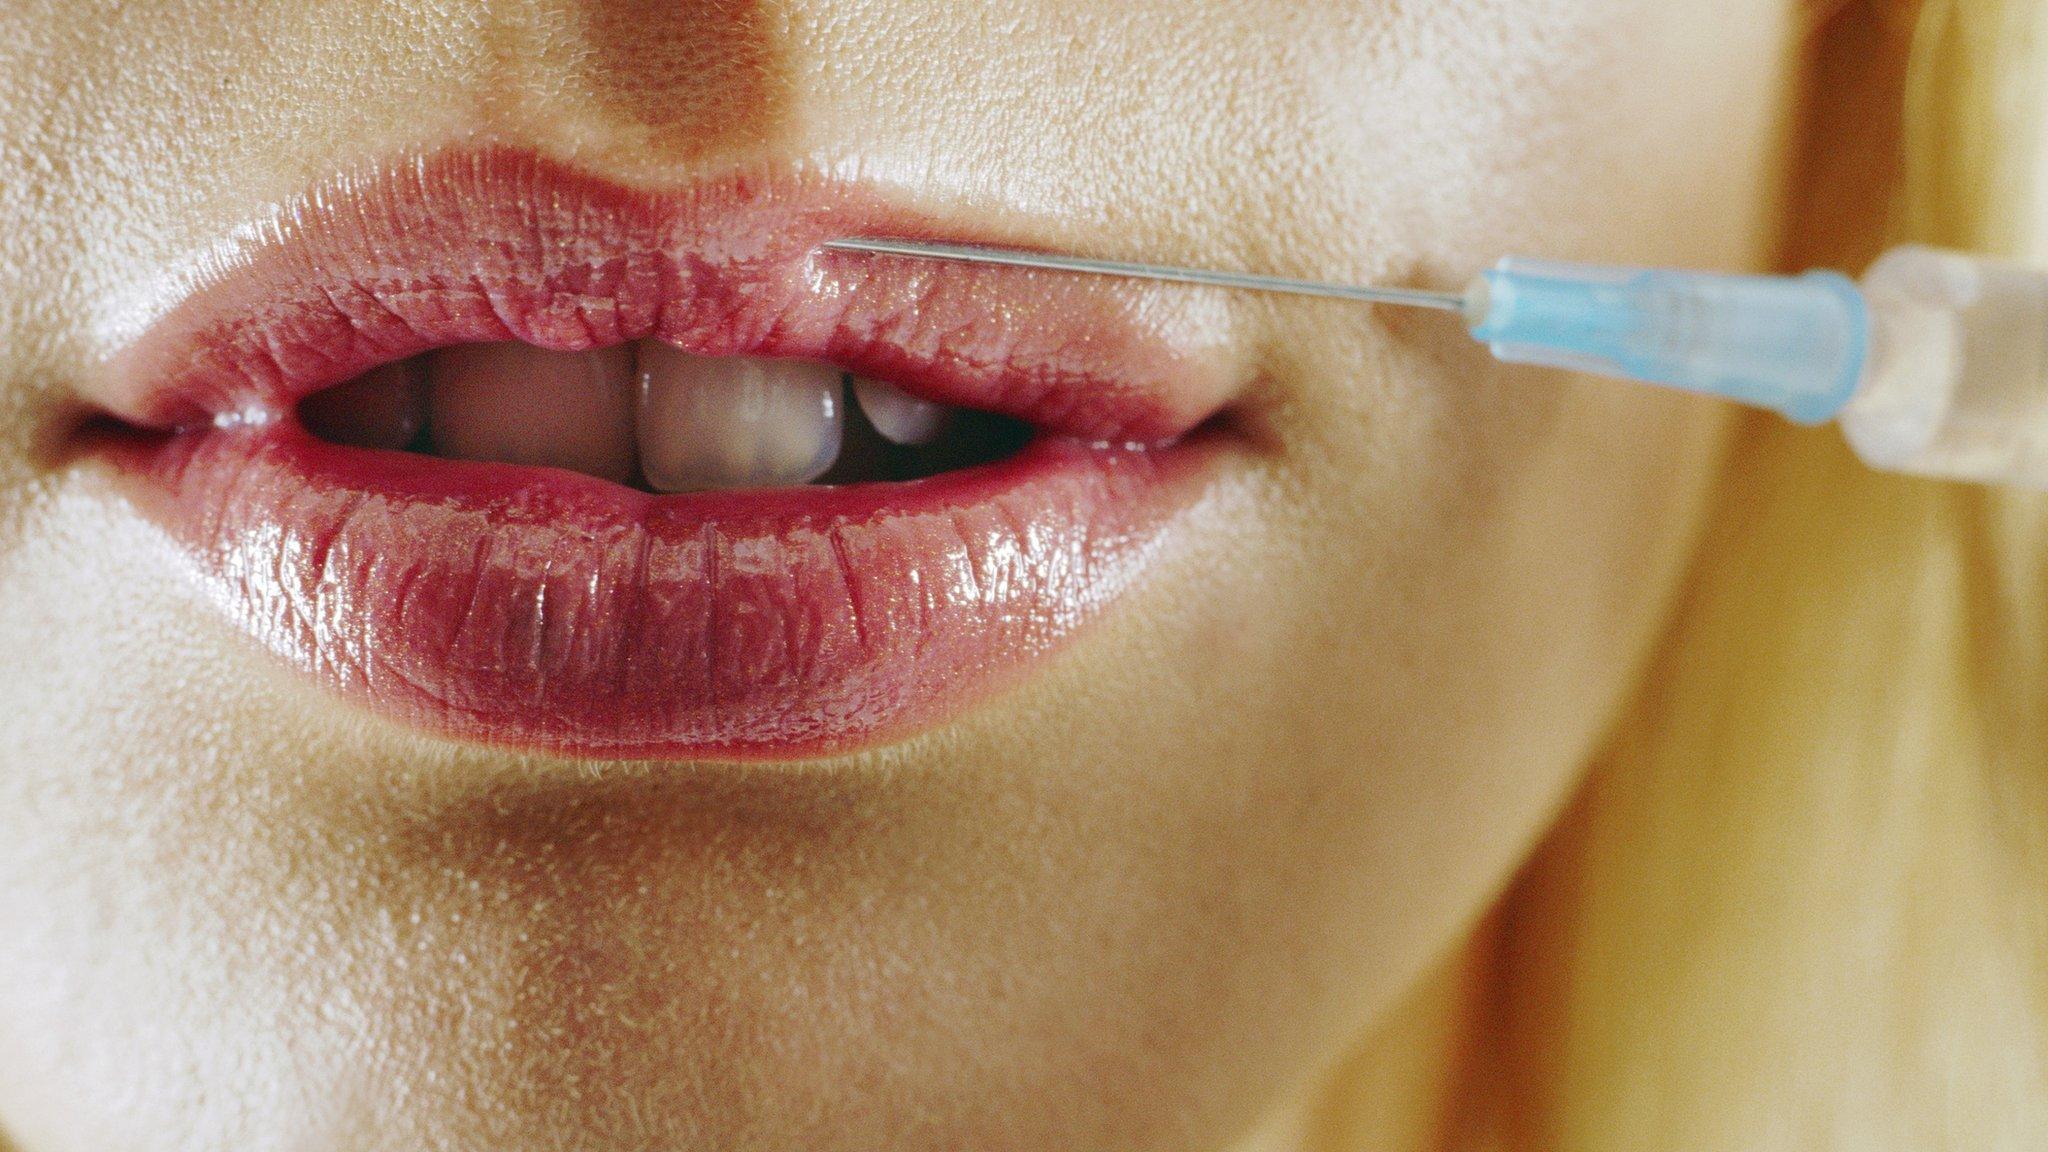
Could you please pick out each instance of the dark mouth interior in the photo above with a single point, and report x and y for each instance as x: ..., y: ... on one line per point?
x: 967, y: 438
x: 971, y: 438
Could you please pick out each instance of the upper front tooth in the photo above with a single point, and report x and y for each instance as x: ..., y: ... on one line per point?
x: 734, y: 422
x: 901, y: 418
x: 526, y: 405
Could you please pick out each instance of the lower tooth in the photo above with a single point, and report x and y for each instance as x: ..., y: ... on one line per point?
x: 735, y: 422
x: 382, y: 408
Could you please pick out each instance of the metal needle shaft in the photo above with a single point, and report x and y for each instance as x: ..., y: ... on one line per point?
x: 975, y: 254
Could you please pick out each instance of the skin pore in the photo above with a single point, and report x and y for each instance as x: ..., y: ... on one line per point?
x: 1141, y: 900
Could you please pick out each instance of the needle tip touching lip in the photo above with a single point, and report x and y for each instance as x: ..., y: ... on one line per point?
x: 1024, y: 258
x: 447, y: 249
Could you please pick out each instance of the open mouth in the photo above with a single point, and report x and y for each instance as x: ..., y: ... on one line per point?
x: 649, y: 415
x: 523, y: 456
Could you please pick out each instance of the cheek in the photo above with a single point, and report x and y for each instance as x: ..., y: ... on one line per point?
x: 1510, y: 535
x: 1459, y: 566
x: 1403, y: 658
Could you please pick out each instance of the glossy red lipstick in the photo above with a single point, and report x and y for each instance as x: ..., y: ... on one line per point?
x: 544, y: 609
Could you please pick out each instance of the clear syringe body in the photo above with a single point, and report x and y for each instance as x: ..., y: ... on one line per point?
x: 1956, y: 383
x: 1936, y: 364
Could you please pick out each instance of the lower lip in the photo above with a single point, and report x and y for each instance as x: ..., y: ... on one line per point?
x: 546, y: 610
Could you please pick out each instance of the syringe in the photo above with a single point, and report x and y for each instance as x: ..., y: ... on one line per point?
x: 1937, y: 363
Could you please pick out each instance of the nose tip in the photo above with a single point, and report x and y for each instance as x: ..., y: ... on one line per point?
x: 675, y: 78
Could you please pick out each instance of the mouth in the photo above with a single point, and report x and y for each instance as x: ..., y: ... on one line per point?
x: 520, y: 455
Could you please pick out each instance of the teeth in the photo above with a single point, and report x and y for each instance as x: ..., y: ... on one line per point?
x: 383, y: 408
x: 524, y: 405
x: 735, y: 422
x: 678, y: 421
x: 898, y: 417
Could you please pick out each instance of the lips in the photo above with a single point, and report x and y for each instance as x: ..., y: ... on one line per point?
x: 547, y: 609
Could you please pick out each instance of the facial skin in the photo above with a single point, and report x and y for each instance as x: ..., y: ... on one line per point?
x: 1130, y: 904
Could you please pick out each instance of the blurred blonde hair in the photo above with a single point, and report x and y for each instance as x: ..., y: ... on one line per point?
x: 1803, y: 900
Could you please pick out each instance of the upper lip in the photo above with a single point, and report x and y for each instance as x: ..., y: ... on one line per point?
x: 416, y: 256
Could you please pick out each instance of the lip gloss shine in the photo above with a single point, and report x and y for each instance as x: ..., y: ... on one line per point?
x: 545, y: 609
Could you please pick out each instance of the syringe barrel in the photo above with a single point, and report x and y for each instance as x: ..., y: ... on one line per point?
x: 1958, y: 378
x: 1793, y: 343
